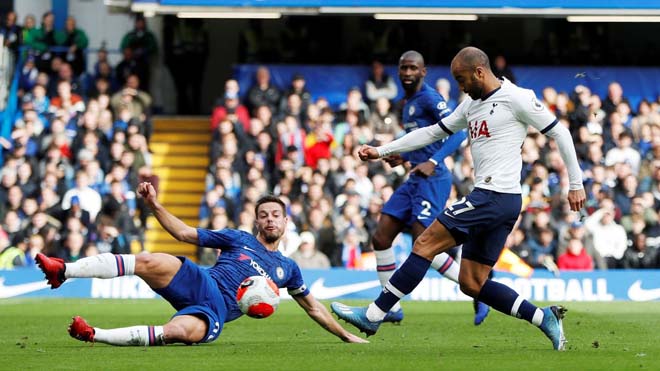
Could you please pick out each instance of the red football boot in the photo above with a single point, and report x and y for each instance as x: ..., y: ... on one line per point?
x: 53, y: 268
x: 79, y: 329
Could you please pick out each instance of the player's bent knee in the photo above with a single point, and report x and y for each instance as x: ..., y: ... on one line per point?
x: 433, y: 241
x: 381, y: 242
x: 155, y: 261
x: 470, y: 288
x: 185, y: 329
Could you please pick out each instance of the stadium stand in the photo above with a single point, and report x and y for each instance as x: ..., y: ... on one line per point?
x: 68, y: 144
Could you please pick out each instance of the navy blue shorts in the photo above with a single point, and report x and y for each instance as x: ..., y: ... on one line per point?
x: 193, y: 292
x: 481, y: 221
x: 419, y: 199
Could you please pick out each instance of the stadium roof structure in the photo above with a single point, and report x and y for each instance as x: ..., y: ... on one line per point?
x: 592, y: 10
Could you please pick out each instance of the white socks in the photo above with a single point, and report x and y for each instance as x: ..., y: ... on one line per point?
x: 131, y: 336
x: 375, y: 314
x: 386, y: 265
x: 445, y: 265
x: 102, y: 266
x: 538, y: 317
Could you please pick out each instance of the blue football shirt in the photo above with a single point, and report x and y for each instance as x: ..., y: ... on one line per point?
x: 244, y: 256
x: 425, y: 108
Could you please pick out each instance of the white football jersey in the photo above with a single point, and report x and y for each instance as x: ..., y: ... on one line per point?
x: 497, y: 126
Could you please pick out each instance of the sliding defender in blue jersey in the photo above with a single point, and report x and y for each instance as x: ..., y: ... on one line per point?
x: 204, y: 298
x: 417, y: 202
x: 497, y: 114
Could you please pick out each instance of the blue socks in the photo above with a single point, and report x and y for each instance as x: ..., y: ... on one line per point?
x: 507, y: 301
x: 403, y: 281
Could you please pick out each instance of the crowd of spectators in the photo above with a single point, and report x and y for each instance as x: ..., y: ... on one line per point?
x: 78, y: 145
x: 283, y: 141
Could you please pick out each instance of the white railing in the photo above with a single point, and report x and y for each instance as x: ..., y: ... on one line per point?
x: 6, y: 72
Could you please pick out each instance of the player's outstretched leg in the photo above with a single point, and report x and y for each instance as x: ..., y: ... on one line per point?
x: 402, y: 283
x: 356, y: 316
x: 99, y: 266
x: 53, y: 268
x: 127, y: 336
x: 506, y: 300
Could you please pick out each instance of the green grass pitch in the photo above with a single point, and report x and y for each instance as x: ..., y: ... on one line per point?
x: 434, y: 335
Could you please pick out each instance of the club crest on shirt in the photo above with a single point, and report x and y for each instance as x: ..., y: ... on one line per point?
x: 536, y: 105
x: 411, y: 110
x: 279, y: 272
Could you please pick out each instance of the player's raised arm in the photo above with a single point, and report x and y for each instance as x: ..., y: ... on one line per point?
x: 320, y: 314
x: 173, y: 225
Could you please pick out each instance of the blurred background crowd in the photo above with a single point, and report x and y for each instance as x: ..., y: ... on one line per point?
x: 80, y: 144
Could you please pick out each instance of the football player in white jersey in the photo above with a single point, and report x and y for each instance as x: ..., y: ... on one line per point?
x: 496, y: 114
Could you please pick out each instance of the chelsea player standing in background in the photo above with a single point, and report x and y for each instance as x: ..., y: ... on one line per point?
x: 417, y: 202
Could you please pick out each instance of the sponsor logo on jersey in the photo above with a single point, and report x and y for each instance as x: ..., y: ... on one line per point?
x: 478, y: 129
x: 258, y: 268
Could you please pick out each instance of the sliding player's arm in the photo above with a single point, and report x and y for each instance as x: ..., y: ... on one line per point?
x: 173, y: 225
x: 320, y: 314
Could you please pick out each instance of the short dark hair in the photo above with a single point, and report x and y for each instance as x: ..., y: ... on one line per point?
x: 267, y: 199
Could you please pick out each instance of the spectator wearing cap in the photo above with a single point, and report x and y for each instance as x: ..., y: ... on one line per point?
x: 232, y: 110
x: 75, y: 211
x: 90, y: 200
x: 308, y: 256
x: 263, y: 92
x: 575, y: 257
